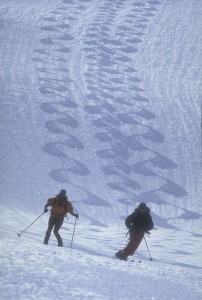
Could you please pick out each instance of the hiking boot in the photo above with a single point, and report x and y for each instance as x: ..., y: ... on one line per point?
x: 60, y: 244
x: 121, y: 255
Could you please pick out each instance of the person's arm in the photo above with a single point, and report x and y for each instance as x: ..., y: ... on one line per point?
x: 130, y: 220
x: 46, y: 208
x: 70, y: 210
x: 49, y: 203
x: 74, y: 214
x: 150, y: 223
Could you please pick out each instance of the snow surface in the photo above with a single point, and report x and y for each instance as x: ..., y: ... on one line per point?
x: 101, y: 98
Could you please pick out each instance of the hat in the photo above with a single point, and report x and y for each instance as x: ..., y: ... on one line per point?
x: 142, y: 205
x: 62, y: 192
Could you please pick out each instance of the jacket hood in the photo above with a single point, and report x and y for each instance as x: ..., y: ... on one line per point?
x: 143, y: 208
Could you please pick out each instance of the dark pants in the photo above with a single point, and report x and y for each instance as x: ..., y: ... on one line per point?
x: 56, y: 222
x: 132, y: 245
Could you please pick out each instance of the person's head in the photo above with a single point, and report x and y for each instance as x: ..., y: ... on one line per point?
x: 62, y: 192
x: 142, y: 205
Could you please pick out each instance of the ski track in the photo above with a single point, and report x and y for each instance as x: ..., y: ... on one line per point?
x: 81, y: 273
x: 94, y: 103
x: 89, y: 95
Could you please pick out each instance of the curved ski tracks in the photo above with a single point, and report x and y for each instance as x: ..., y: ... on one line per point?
x: 104, y: 140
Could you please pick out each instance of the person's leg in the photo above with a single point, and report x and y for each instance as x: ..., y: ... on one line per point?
x: 133, y: 244
x: 58, y: 224
x: 48, y: 232
x: 120, y: 254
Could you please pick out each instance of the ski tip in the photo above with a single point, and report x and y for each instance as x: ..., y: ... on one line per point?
x: 133, y: 260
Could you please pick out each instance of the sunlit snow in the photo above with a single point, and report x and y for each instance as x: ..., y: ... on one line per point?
x: 101, y: 98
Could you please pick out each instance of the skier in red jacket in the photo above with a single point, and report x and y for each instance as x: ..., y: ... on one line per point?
x: 60, y: 207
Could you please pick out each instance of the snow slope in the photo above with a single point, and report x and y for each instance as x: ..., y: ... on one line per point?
x: 101, y: 98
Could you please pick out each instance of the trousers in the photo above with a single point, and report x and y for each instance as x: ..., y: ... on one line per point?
x: 56, y: 222
x: 133, y: 243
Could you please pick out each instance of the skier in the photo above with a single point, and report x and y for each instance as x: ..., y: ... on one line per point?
x: 60, y: 206
x: 139, y: 222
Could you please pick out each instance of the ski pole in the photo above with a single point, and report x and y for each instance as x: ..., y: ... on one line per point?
x: 73, y: 233
x: 150, y: 258
x: 130, y: 233
x: 19, y: 234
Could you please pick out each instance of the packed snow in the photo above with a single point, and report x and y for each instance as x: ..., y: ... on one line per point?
x: 101, y: 98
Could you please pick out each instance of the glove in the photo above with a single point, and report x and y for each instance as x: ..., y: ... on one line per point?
x: 45, y: 209
x: 76, y: 216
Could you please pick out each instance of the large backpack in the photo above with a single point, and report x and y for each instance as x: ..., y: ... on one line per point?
x: 59, y: 206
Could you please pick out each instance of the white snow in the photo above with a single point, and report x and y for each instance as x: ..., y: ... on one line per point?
x: 101, y: 98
